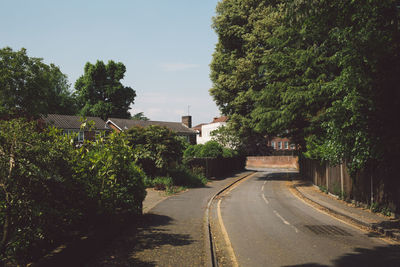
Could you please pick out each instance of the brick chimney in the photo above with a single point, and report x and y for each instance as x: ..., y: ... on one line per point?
x: 187, y: 120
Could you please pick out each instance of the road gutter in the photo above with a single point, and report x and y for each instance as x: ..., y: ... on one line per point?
x: 211, y: 259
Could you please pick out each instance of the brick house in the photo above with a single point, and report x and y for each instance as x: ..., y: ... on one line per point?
x: 281, y: 143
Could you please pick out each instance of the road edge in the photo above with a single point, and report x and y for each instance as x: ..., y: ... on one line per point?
x: 344, y: 217
x: 211, y: 260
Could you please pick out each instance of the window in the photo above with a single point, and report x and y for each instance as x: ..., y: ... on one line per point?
x: 286, y: 145
x: 81, y: 136
x: 292, y: 146
x: 279, y: 145
x: 273, y: 144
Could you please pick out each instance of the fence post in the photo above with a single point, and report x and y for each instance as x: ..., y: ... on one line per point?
x: 327, y: 176
x: 341, y: 179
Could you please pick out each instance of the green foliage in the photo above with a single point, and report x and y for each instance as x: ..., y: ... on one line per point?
x: 49, y: 189
x: 155, y: 148
x: 162, y: 183
x: 140, y: 117
x: 211, y: 149
x: 323, y: 73
x: 227, y: 136
x: 101, y: 93
x: 29, y: 87
x: 193, y: 151
x: 112, y: 177
x: 183, y: 176
x: 40, y: 199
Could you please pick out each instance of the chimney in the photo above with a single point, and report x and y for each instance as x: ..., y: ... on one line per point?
x: 187, y: 120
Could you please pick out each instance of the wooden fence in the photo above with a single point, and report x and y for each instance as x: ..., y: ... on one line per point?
x: 218, y: 167
x: 373, y: 184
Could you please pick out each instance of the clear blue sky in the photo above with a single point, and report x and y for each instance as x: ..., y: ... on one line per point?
x: 166, y: 46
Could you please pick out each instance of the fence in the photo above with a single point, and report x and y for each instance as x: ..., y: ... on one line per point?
x: 218, y: 167
x: 373, y: 184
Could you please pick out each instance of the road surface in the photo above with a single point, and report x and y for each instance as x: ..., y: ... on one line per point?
x: 268, y: 226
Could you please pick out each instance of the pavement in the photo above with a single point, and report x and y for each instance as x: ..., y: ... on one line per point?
x: 364, y: 218
x: 171, y: 231
x: 153, y: 197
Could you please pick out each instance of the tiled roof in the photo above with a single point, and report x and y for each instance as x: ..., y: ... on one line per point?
x: 220, y: 119
x: 72, y: 122
x: 198, y: 127
x: 125, y: 124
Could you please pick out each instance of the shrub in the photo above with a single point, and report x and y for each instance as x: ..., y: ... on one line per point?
x: 49, y: 189
x: 155, y: 148
x: 211, y: 149
x: 183, y: 176
x: 162, y: 183
x: 112, y: 178
x: 40, y: 198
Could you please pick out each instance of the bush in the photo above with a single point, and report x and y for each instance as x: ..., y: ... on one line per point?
x: 155, y: 148
x: 211, y: 149
x: 112, y: 178
x: 162, y: 183
x: 41, y: 201
x: 49, y: 189
x: 184, y: 176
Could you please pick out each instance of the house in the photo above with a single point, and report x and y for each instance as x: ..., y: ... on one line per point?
x: 204, y: 130
x: 180, y: 128
x: 72, y: 124
x: 281, y: 143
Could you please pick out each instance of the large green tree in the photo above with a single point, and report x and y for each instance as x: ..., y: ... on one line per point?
x: 101, y: 93
x: 324, y: 73
x: 29, y: 87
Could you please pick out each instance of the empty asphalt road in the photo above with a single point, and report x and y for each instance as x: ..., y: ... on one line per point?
x: 268, y: 226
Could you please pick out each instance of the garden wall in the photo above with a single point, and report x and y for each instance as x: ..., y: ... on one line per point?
x: 284, y: 162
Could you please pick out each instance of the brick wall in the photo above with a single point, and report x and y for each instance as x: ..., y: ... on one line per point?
x: 272, y: 162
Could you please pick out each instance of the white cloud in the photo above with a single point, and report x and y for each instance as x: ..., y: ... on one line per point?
x: 177, y: 66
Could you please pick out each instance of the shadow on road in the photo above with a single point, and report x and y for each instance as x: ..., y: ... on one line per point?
x: 281, y: 176
x: 146, y: 234
x: 378, y: 256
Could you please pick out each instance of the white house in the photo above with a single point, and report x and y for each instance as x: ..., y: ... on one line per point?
x: 204, y: 130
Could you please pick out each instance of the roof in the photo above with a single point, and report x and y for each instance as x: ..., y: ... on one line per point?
x: 220, y: 119
x: 72, y: 122
x: 125, y: 124
x: 198, y: 127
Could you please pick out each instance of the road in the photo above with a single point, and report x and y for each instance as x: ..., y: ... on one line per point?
x: 171, y: 234
x: 268, y: 226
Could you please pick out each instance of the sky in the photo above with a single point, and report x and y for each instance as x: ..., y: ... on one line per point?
x: 166, y: 46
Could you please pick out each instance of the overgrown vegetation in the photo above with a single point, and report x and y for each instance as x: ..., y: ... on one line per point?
x: 50, y: 189
x: 211, y: 149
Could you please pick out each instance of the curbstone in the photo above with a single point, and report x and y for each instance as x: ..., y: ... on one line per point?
x: 371, y: 226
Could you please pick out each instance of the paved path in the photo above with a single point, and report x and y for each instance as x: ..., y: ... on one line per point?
x: 268, y: 226
x: 362, y: 217
x: 170, y: 234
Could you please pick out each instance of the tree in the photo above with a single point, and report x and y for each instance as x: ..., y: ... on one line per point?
x: 140, y: 117
x: 323, y: 73
x: 101, y: 93
x: 28, y: 87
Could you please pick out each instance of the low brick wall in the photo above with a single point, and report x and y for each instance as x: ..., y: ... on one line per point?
x: 273, y: 162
